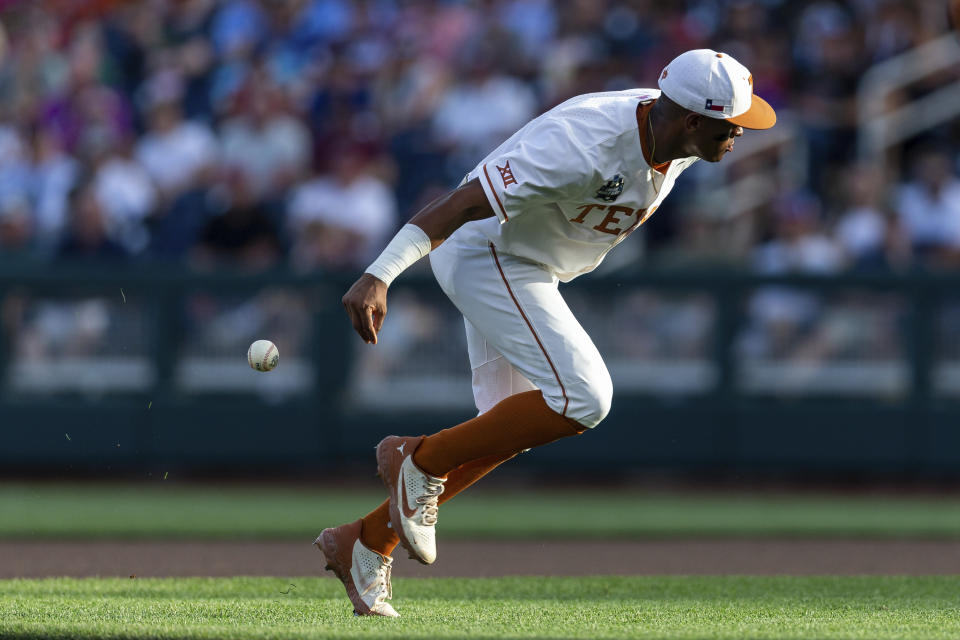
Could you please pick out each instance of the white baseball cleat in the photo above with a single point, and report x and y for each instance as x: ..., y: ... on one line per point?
x: 413, y: 496
x: 365, y: 573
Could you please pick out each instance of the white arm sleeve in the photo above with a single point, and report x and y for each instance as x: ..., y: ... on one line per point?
x: 409, y: 245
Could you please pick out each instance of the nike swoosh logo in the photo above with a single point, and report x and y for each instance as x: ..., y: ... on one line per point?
x: 404, y: 506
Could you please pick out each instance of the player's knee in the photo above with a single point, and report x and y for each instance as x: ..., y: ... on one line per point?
x: 592, y: 400
x: 601, y: 398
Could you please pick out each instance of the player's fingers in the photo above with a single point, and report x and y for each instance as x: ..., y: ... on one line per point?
x: 356, y: 319
x: 378, y: 317
x: 368, y: 325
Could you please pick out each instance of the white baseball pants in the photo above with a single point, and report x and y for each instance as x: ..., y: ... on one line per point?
x: 520, y: 333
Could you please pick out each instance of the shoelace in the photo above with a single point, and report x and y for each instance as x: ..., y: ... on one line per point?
x: 382, y: 580
x: 429, y: 500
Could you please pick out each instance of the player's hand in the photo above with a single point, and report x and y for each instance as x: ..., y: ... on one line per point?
x: 366, y: 304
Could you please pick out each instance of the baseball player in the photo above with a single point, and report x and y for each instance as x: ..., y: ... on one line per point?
x: 544, y: 207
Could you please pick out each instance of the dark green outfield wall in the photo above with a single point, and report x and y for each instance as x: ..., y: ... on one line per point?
x: 724, y: 427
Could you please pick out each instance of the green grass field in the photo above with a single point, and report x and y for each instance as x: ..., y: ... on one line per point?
x: 179, y: 511
x: 641, y: 607
x: 675, y: 607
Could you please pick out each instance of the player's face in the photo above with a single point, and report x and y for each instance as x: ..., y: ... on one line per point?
x: 714, y: 138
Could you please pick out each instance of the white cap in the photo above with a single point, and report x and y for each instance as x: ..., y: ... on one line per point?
x: 717, y: 86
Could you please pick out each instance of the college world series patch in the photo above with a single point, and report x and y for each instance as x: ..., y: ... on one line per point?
x: 611, y: 189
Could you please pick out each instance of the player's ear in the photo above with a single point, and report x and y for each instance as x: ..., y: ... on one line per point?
x: 692, y: 121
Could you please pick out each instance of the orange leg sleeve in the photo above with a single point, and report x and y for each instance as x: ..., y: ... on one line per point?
x: 376, y: 533
x: 521, y: 421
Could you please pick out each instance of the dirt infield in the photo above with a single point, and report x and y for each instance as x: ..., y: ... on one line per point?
x: 492, y: 558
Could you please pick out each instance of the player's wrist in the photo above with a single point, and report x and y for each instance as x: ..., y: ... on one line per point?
x: 369, y: 277
x: 407, y: 247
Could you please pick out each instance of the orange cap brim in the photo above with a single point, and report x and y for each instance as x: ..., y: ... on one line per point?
x: 760, y: 115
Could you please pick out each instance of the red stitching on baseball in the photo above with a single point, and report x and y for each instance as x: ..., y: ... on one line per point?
x: 266, y: 356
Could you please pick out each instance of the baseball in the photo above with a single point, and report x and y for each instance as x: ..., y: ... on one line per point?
x: 263, y: 355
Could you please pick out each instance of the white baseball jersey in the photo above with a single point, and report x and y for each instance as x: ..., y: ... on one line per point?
x: 566, y: 189
x: 573, y: 183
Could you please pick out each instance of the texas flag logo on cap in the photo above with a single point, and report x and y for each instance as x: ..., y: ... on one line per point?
x: 722, y: 108
x: 694, y: 75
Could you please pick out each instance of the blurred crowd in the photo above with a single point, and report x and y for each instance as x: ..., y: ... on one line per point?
x: 252, y: 133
